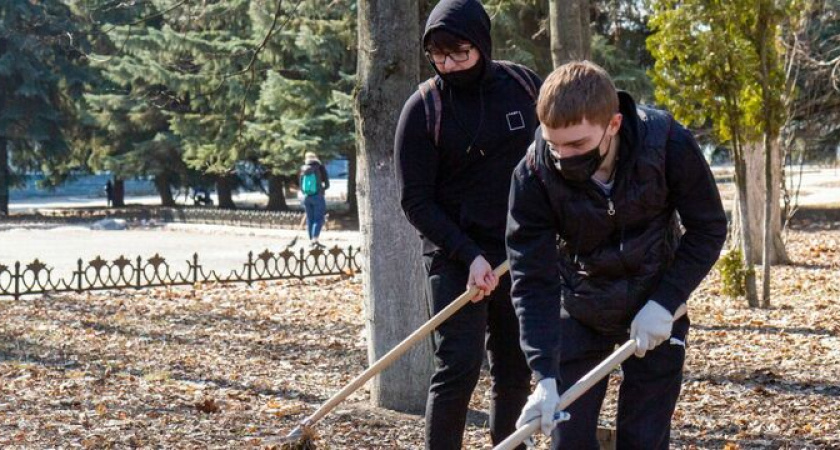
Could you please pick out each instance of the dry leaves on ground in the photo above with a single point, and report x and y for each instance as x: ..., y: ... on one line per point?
x: 215, y: 367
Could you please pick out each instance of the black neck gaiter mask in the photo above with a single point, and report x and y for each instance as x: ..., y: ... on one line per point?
x: 465, y: 78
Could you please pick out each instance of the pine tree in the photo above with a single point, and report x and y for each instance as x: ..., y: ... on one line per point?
x: 43, y: 73
x: 305, y: 100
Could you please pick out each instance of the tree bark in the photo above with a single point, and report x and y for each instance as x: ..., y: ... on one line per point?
x: 224, y: 190
x: 757, y: 187
x: 570, y: 34
x: 742, y: 214
x: 352, y: 198
x: 119, y: 193
x: 164, y: 190
x: 392, y: 275
x: 4, y: 178
x: 276, y: 193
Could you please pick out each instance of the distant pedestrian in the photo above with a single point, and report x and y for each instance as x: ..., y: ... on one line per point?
x: 313, y: 184
x: 109, y: 193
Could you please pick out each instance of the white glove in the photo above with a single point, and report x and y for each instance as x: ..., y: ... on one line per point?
x: 651, y: 327
x: 543, y: 404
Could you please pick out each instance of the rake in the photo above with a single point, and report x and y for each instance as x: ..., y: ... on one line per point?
x: 576, y: 390
x: 301, y: 438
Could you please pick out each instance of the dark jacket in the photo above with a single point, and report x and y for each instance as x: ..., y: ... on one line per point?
x: 566, y: 249
x: 455, y: 194
x: 320, y: 172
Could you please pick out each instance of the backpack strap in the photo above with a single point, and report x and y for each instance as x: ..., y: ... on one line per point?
x: 433, y: 106
x: 520, y: 74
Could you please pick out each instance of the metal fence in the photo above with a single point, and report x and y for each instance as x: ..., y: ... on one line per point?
x: 123, y: 273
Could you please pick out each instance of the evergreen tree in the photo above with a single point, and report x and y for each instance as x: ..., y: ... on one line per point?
x: 43, y: 73
x: 305, y: 100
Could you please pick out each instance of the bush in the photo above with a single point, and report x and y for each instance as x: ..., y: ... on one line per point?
x: 733, y: 273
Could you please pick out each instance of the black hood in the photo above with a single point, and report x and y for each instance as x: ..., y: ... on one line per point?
x: 467, y: 19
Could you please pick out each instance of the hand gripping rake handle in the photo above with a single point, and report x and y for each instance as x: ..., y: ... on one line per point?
x: 397, y: 351
x: 576, y: 390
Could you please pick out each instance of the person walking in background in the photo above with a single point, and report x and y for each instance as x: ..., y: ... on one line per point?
x: 109, y: 193
x: 313, y: 184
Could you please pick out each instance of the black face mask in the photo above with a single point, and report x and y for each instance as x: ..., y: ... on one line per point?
x: 580, y: 168
x: 465, y: 78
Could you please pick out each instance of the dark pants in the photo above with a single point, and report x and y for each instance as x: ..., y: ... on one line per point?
x: 316, y: 209
x: 459, y: 352
x: 647, y: 397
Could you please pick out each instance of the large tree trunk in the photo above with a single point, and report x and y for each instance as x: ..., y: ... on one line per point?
x: 164, y: 190
x: 224, y: 190
x: 276, y: 193
x: 570, y: 35
x: 119, y: 193
x: 393, y: 280
x: 4, y: 178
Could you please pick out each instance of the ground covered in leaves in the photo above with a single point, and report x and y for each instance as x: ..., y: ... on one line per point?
x: 216, y: 367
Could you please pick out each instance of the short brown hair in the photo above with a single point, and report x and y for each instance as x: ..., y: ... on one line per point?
x: 575, y: 91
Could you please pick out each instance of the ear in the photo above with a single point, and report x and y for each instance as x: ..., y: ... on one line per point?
x: 615, y: 124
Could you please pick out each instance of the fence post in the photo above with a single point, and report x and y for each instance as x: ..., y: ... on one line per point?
x: 195, y: 268
x: 138, y: 278
x: 80, y: 288
x: 302, y: 264
x: 250, y: 264
x: 16, y: 276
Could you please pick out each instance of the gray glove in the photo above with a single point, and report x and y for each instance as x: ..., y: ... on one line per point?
x: 651, y: 327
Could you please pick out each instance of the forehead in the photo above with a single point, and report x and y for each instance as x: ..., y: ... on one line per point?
x: 582, y: 131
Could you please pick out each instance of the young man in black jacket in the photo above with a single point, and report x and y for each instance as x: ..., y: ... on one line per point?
x: 598, y: 255
x: 458, y: 139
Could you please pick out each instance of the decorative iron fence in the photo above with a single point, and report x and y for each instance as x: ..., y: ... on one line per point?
x: 123, y: 273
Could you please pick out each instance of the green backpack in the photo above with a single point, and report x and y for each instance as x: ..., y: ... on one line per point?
x: 309, y: 184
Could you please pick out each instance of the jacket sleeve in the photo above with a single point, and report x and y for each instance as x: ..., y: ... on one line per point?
x: 416, y: 166
x: 532, y: 251
x: 693, y: 192
x: 325, y: 176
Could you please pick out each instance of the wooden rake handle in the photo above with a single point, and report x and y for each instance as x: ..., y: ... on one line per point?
x: 397, y: 351
x: 576, y: 390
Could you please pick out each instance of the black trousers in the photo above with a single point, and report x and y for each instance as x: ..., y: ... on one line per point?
x: 647, y: 396
x: 459, y: 353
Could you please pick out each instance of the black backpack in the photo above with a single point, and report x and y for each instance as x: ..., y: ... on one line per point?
x: 433, y: 105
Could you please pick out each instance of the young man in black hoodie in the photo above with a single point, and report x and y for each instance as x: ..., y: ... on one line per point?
x: 597, y: 254
x: 456, y: 145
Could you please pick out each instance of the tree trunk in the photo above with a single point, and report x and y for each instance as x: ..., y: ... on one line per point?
x: 570, y: 35
x: 276, y: 193
x: 4, y: 178
x: 393, y: 279
x: 119, y: 193
x: 352, y: 198
x: 757, y: 185
x: 774, y: 250
x: 164, y: 190
x: 742, y: 213
x: 224, y: 190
